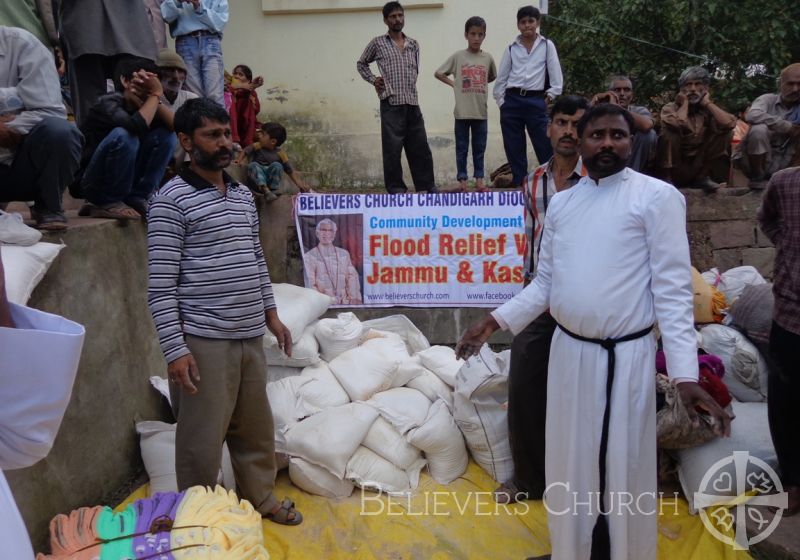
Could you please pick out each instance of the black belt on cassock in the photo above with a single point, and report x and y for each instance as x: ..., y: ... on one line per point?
x: 601, y: 540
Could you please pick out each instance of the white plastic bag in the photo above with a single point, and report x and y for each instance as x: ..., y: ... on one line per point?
x: 442, y: 361
x: 287, y: 410
x: 13, y: 231
x: 746, y: 370
x: 403, y: 407
x: 402, y: 326
x: 25, y: 267
x: 363, y: 371
x: 322, y: 391
x: 297, y: 308
x: 409, y: 369
x: 305, y: 351
x: 443, y: 444
x: 328, y: 439
x: 316, y: 480
x: 369, y: 470
x: 733, y: 281
x: 338, y: 335
x: 386, y: 441
x: 479, y: 411
x: 276, y: 373
x: 430, y: 385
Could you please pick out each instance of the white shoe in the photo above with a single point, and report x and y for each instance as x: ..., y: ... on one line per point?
x: 14, y: 232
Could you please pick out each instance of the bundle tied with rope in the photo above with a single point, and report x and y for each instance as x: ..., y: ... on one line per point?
x: 674, y: 429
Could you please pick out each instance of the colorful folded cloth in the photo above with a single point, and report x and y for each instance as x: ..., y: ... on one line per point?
x: 712, y: 370
x: 199, y: 523
x: 228, y: 528
x: 116, y: 530
x: 73, y: 536
x: 156, y: 511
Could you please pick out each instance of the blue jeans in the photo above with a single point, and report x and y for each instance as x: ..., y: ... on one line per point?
x: 205, y: 72
x: 125, y: 167
x: 517, y: 114
x: 479, y: 128
x: 269, y: 175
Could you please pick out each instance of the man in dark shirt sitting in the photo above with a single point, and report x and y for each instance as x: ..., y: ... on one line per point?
x: 129, y: 142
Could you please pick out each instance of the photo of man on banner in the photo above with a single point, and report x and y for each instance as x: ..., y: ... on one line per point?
x: 329, y: 269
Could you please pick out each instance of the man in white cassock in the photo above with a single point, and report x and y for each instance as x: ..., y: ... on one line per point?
x: 39, y: 356
x: 614, y: 260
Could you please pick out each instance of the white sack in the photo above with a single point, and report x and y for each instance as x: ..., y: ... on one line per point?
x: 369, y: 470
x: 157, y: 444
x: 389, y: 345
x: 432, y: 387
x: 305, y: 351
x: 318, y: 481
x: 297, y: 308
x: 287, y: 410
x: 13, y: 231
x: 276, y: 373
x: 322, y: 391
x: 386, y: 441
x: 443, y: 444
x: 479, y: 411
x: 25, y: 267
x: 733, y: 281
x: 363, y: 371
x: 403, y: 407
x: 402, y: 326
x: 338, y: 335
x: 442, y: 361
x: 749, y: 432
x: 409, y: 369
x: 746, y: 370
x: 328, y: 439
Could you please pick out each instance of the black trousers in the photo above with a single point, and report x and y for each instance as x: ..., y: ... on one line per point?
x: 527, y: 403
x: 45, y: 163
x: 87, y: 80
x: 402, y: 126
x: 784, y: 394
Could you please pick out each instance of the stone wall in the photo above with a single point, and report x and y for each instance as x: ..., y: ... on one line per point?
x: 724, y: 233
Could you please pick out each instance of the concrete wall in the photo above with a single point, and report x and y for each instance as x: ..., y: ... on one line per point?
x: 99, y: 280
x: 308, y: 61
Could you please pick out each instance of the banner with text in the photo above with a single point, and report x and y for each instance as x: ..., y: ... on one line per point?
x: 414, y: 249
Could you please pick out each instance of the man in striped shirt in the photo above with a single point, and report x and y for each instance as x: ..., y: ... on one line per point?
x: 211, y: 299
x: 530, y: 349
x: 402, y: 125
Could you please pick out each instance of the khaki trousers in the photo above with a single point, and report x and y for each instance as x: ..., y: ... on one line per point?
x: 686, y: 169
x: 230, y: 405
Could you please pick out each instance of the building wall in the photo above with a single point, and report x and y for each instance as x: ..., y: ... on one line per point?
x: 308, y: 61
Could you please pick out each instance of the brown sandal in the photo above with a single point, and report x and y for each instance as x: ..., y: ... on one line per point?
x: 114, y: 211
x: 282, y: 515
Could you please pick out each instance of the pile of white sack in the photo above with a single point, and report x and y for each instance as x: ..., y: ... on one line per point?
x: 372, y: 403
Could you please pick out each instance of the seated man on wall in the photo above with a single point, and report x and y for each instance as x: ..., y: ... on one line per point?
x: 39, y: 148
x: 645, y: 139
x: 771, y: 143
x: 172, y: 74
x: 695, y: 133
x: 129, y: 142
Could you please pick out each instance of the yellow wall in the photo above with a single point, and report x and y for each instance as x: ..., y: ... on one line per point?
x: 309, y: 65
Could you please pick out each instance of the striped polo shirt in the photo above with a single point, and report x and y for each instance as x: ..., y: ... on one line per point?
x: 208, y: 276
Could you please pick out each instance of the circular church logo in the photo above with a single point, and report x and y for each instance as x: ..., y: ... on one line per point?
x: 737, y: 490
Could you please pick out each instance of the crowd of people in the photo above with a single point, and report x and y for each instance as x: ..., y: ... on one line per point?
x: 684, y: 146
x: 122, y: 92
x: 608, y: 254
